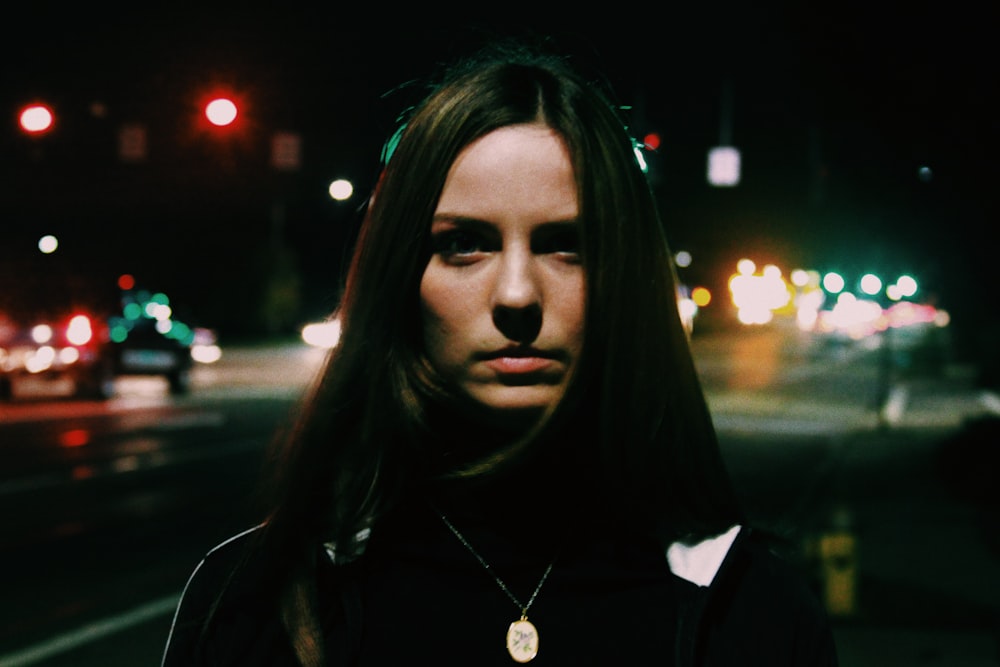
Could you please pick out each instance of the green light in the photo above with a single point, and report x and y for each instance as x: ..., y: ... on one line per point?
x: 118, y: 333
x: 182, y: 332
x: 132, y: 311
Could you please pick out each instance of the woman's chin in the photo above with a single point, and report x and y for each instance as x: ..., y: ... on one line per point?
x: 521, y: 406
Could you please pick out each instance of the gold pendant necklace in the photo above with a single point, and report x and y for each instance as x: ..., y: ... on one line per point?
x: 522, y: 635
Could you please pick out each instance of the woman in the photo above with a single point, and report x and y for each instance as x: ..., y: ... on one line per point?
x: 508, y: 457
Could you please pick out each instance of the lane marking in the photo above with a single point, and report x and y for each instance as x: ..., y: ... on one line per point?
x: 90, y: 632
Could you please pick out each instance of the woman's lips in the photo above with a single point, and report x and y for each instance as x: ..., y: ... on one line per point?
x: 510, y: 365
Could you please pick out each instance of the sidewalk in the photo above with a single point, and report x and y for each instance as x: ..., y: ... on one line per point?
x: 898, y: 509
x: 926, y: 559
x: 918, y: 499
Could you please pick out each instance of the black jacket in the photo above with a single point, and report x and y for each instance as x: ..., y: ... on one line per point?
x: 753, y: 609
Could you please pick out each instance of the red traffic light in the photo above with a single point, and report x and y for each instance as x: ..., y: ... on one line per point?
x: 221, y: 111
x: 35, y: 118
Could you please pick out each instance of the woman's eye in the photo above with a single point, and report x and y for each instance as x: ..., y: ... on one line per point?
x: 562, y: 242
x: 456, y: 243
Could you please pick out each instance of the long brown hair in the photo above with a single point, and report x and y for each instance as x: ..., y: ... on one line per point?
x: 635, y: 406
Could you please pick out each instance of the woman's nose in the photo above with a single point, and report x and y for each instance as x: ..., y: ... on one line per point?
x: 517, y: 307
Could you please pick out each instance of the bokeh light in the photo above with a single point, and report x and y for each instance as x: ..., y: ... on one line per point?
x: 341, y: 189
x: 221, y: 111
x: 48, y: 244
x: 36, y: 118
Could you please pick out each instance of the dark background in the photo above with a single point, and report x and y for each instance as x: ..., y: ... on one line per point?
x: 834, y: 109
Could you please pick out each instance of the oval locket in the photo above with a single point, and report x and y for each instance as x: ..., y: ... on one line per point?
x: 522, y: 640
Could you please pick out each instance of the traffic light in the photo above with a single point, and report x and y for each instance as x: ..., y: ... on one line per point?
x: 221, y: 111
x: 36, y: 118
x: 221, y: 129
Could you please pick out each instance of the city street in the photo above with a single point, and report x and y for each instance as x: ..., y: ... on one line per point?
x: 868, y: 474
x: 179, y: 184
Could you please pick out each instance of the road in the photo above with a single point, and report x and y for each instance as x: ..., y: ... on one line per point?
x: 107, y: 506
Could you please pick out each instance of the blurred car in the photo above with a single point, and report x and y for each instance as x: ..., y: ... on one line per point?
x: 56, y: 324
x: 53, y: 324
x: 145, y: 339
x: 67, y: 345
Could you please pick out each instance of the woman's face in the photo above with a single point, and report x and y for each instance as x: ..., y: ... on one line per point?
x: 503, y: 293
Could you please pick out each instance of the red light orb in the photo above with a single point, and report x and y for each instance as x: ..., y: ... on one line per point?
x: 221, y: 111
x: 36, y: 118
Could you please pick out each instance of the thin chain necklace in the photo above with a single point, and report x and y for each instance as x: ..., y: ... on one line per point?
x: 522, y: 636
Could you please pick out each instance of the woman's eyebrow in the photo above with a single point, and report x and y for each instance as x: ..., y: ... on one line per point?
x: 457, y: 219
x: 486, y: 227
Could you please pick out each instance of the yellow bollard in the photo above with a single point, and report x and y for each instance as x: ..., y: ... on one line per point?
x: 839, y: 567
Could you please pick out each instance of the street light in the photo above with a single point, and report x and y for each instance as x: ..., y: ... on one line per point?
x: 833, y: 282
x: 341, y: 189
x: 48, y: 244
x: 871, y: 284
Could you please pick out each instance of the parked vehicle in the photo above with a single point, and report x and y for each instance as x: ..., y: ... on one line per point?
x: 59, y: 323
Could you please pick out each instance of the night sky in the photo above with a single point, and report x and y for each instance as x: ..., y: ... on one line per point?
x: 835, y: 112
